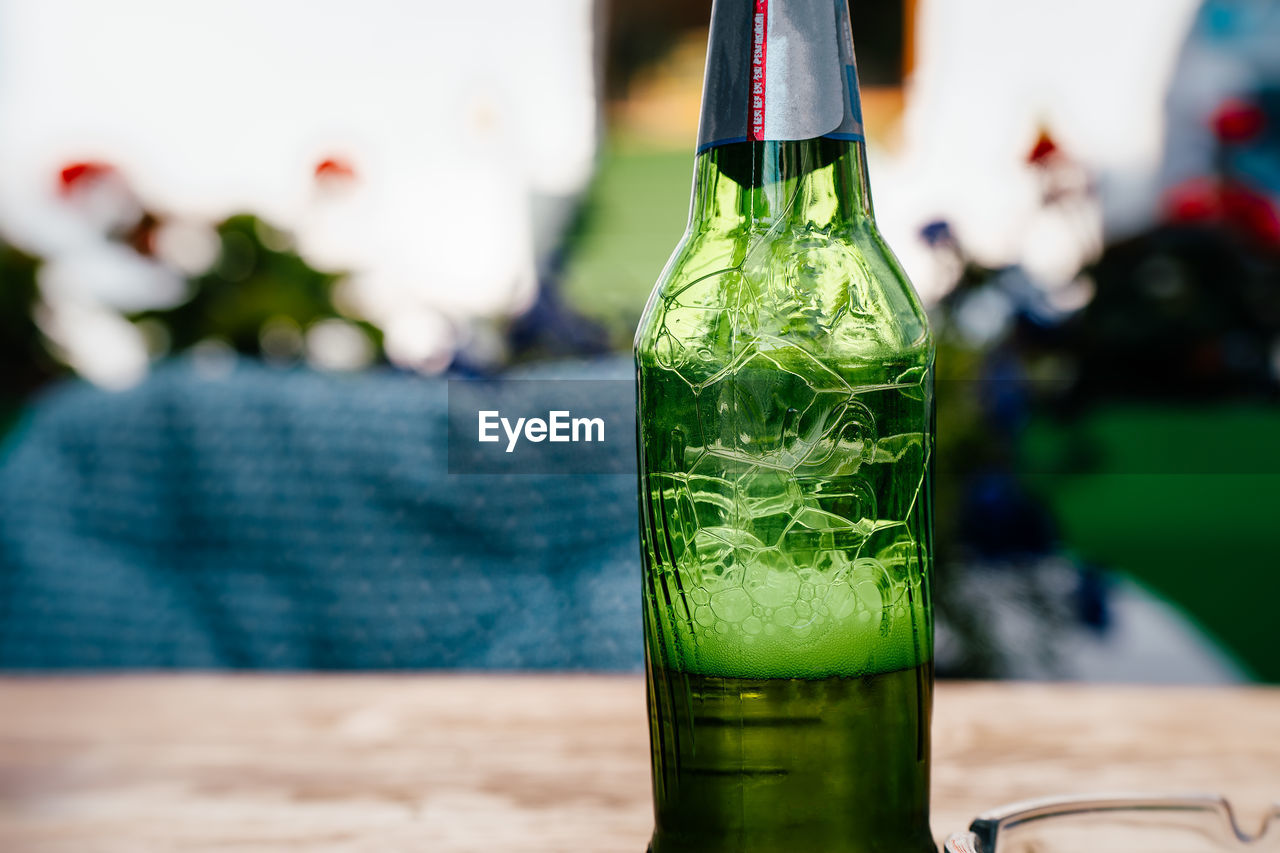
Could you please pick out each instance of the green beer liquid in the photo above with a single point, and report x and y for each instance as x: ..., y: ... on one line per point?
x: 784, y: 374
x: 780, y: 765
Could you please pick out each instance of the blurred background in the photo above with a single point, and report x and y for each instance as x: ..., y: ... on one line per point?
x: 243, y: 245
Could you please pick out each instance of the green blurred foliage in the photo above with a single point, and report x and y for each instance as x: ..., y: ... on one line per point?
x: 257, y: 279
x: 26, y: 359
x: 632, y: 218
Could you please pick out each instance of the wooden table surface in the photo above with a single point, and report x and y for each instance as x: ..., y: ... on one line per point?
x: 449, y: 764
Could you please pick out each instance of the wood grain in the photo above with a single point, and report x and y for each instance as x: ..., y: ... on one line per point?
x: 463, y: 764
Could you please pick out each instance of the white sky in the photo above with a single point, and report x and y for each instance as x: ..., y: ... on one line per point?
x: 453, y: 114
x: 990, y: 74
x: 457, y: 115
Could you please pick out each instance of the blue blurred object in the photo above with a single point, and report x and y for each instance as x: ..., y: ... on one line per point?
x: 287, y: 519
x: 1092, y: 597
x: 1000, y: 520
x: 284, y: 519
x: 937, y: 233
x: 1238, y: 19
x: 1231, y: 60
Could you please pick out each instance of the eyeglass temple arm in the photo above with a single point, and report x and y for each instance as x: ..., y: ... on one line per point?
x: 985, y: 829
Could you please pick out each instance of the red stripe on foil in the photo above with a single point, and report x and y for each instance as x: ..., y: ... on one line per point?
x: 759, y: 64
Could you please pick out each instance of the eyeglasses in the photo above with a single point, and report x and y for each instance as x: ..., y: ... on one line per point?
x: 1116, y: 824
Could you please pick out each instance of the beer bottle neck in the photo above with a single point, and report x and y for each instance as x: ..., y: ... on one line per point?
x: 813, y: 183
x: 781, y: 135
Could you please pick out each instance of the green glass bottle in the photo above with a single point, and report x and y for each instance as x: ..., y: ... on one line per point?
x: 785, y: 388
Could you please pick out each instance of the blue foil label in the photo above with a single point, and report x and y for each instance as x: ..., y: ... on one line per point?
x: 780, y: 70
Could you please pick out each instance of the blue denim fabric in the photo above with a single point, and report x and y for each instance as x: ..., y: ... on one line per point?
x: 290, y: 519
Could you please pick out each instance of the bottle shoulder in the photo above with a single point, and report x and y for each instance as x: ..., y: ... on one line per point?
x: 836, y: 293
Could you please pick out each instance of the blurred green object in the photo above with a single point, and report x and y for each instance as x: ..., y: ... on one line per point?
x: 1183, y: 499
x: 258, y: 279
x: 26, y: 360
x: 633, y: 215
x: 258, y: 298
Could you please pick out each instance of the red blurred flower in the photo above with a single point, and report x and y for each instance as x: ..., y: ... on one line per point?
x: 75, y: 176
x: 1196, y: 201
x: 1238, y: 121
x: 335, y: 167
x: 1205, y: 201
x: 1252, y: 212
x: 1044, y: 150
